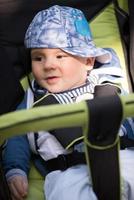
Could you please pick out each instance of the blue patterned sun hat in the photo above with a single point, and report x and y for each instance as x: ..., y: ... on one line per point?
x: 65, y: 28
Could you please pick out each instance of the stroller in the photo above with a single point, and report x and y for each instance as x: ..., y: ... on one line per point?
x: 14, y: 20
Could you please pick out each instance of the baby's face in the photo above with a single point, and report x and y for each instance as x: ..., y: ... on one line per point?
x: 57, y: 70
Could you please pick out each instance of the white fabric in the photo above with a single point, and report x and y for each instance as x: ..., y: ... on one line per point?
x: 127, y: 170
x: 71, y: 184
x: 49, y: 147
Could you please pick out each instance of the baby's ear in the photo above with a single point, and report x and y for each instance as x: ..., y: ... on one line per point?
x: 90, y: 63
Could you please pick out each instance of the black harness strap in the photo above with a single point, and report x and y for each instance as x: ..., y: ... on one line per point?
x: 63, y: 135
x: 105, y: 116
x: 126, y: 142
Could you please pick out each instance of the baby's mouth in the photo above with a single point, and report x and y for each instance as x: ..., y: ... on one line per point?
x: 52, y: 79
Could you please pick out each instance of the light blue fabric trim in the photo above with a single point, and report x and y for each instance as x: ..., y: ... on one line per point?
x: 128, y: 127
x: 15, y: 172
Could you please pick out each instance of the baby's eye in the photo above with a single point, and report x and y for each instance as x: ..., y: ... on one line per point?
x: 38, y: 58
x: 61, y: 56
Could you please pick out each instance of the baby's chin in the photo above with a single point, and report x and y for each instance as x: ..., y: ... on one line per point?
x: 57, y: 90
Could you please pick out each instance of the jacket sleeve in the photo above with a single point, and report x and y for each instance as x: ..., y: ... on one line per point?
x: 17, y: 153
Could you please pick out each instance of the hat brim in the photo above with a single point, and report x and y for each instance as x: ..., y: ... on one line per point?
x: 100, y: 54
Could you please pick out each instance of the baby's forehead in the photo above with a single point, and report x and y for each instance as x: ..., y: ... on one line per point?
x: 47, y: 50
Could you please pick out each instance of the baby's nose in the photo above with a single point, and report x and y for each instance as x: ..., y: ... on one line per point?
x: 50, y: 63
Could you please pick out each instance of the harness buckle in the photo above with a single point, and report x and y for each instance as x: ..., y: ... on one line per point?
x: 63, y: 162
